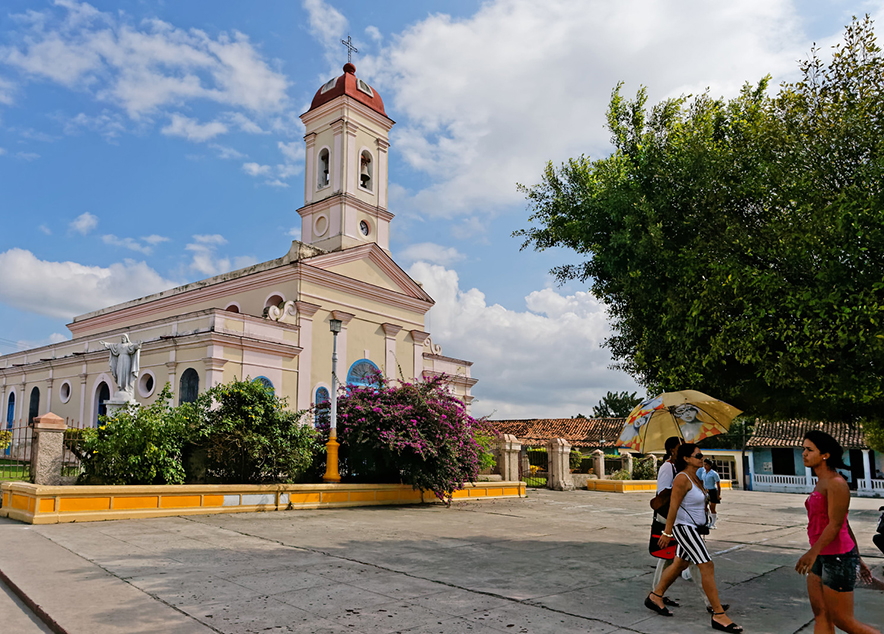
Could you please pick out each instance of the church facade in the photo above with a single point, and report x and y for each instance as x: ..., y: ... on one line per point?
x: 268, y: 322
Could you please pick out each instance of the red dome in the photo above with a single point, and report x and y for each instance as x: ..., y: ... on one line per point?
x: 348, y: 84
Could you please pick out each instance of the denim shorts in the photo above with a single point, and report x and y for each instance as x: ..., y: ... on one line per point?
x: 838, y: 572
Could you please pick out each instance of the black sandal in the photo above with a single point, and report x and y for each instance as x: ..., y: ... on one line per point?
x: 724, y: 606
x: 672, y: 603
x: 656, y: 608
x: 733, y: 627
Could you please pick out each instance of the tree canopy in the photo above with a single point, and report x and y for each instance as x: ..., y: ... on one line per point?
x: 738, y: 244
x: 616, y: 405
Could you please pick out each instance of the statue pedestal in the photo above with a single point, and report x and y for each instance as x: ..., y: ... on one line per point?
x: 117, y: 403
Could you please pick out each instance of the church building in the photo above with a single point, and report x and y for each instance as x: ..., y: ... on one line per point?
x: 268, y: 322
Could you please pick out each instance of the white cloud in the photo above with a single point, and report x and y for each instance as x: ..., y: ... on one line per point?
x: 205, y: 259
x: 6, y: 89
x: 66, y: 289
x: 193, y: 130
x: 546, y: 361
x: 288, y: 170
x: 2, y: 151
x: 29, y: 344
x: 374, y: 33
x: 432, y: 253
x: 108, y: 124
x: 154, y: 239
x: 84, y: 223
x: 27, y: 156
x: 127, y: 243
x: 142, y: 68
x: 225, y: 152
x: 255, y: 169
x: 327, y: 24
x: 276, y: 183
x: 488, y: 101
x: 242, y: 122
x: 293, y: 151
x: 294, y: 233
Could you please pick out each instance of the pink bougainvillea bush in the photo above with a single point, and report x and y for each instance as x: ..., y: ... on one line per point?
x: 415, y: 433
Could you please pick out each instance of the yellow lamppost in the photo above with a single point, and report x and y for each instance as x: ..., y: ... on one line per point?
x: 331, y: 451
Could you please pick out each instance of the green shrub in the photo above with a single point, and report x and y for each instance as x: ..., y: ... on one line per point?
x: 139, y: 445
x: 575, y: 458
x: 249, y: 435
x: 644, y: 468
x: 623, y: 474
x: 5, y: 439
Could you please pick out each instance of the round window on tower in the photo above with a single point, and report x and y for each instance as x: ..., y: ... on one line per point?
x: 364, y: 228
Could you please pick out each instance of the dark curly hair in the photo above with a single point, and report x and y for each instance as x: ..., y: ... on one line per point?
x: 684, y: 452
x: 671, y: 445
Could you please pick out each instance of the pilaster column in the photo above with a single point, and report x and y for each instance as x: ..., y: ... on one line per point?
x: 49, y: 383
x: 509, y: 450
x: 306, y: 311
x: 83, y: 377
x: 808, y: 477
x: 381, y: 175
x: 343, y: 360
x: 751, y: 480
x: 867, y: 471
x: 390, y: 332
x: 627, y: 463
x: 419, y: 337
x: 351, y: 160
x: 336, y: 161
x: 309, y: 169
x: 558, y: 452
x: 172, y: 370
x: 214, y: 371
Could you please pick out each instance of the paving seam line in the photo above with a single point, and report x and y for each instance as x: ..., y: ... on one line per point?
x: 32, y: 605
x: 61, y: 630
x: 441, y: 583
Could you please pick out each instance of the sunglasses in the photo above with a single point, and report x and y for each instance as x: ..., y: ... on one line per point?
x: 698, y: 456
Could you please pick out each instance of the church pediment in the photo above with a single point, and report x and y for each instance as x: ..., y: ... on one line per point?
x: 370, y: 264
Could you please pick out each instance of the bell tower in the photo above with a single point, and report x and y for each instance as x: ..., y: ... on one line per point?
x: 345, y: 188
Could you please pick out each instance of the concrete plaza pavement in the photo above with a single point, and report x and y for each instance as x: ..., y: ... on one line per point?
x: 554, y: 562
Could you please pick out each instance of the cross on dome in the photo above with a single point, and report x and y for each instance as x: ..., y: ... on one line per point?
x: 350, y: 49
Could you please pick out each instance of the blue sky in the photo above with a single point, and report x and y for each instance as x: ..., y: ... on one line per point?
x: 146, y: 144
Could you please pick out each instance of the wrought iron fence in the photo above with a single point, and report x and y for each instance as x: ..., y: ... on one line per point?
x: 534, y: 467
x: 613, y: 464
x: 15, y: 451
x: 71, y: 465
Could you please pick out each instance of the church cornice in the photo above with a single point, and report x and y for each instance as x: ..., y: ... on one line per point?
x: 335, y: 281
x: 349, y: 200
x: 345, y: 104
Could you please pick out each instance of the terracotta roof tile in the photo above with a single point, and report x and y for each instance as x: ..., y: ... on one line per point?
x: 587, y: 433
x: 791, y: 434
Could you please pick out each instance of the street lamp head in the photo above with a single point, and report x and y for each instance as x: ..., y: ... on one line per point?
x: 334, y: 325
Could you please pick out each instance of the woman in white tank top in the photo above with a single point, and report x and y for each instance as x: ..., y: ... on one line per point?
x: 687, y: 511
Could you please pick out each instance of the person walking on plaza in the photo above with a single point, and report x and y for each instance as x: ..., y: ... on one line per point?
x: 665, y: 556
x: 712, y: 482
x: 832, y: 564
x: 687, y: 514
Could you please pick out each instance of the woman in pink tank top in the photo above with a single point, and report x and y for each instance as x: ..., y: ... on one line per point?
x: 832, y: 563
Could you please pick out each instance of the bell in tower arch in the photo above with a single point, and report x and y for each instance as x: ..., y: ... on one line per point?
x: 365, y: 170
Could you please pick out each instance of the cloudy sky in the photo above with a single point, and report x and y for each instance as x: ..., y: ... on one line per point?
x: 145, y: 144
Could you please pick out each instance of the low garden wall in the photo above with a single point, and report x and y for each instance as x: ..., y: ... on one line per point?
x: 37, y: 504
x: 631, y: 486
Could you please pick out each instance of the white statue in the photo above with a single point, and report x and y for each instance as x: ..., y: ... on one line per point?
x: 125, y: 360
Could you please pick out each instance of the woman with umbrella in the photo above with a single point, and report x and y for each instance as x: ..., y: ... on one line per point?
x: 687, y: 512
x: 832, y: 564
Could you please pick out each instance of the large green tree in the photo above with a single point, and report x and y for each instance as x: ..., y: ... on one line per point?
x: 739, y: 244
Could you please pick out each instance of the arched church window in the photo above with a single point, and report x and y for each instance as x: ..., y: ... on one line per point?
x: 363, y: 373
x: 323, y: 167
x: 263, y: 380
x: 189, y: 386
x: 34, y: 406
x: 10, y: 410
x: 321, y: 404
x: 365, y: 169
x: 102, y: 396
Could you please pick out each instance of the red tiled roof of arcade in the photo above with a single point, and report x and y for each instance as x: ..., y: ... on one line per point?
x: 347, y: 84
x: 588, y: 433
